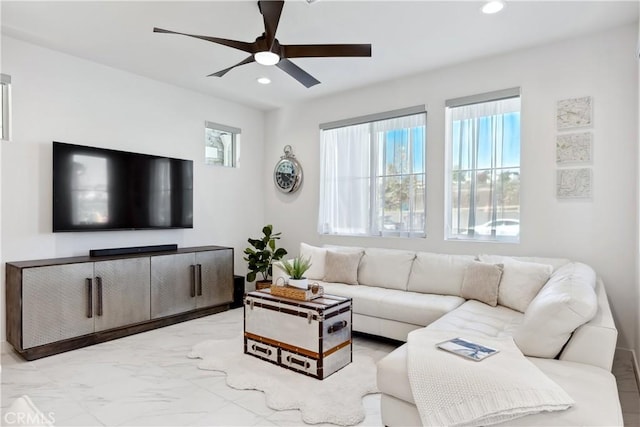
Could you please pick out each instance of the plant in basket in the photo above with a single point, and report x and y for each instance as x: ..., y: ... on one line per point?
x: 261, y: 256
x: 296, y: 268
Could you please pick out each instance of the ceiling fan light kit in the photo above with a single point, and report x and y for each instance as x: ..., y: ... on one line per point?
x: 266, y: 58
x: 492, y: 7
x: 267, y: 50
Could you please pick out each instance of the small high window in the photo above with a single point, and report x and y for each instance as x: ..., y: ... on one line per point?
x: 5, y: 107
x: 222, y: 145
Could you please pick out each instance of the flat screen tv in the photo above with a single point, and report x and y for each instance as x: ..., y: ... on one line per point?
x: 96, y: 189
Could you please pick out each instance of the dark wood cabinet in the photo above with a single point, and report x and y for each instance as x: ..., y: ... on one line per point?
x: 61, y: 304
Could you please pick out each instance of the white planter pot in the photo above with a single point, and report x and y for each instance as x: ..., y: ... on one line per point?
x: 299, y: 283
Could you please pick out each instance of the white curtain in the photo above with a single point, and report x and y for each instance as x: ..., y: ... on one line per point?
x: 484, y: 167
x: 345, y: 185
x: 352, y: 162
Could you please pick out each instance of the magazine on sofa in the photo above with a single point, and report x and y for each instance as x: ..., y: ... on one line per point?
x: 467, y: 349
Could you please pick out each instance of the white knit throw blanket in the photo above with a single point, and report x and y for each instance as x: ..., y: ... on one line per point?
x: 450, y: 390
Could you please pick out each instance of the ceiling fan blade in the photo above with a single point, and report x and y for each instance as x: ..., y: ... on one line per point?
x: 325, y: 50
x: 297, y: 73
x: 271, y: 11
x: 244, y: 46
x: 221, y: 73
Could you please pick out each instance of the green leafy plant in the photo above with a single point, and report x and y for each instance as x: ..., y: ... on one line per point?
x: 262, y: 253
x: 296, y: 267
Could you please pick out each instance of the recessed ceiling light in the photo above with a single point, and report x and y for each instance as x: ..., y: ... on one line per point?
x: 494, y: 6
x: 264, y: 80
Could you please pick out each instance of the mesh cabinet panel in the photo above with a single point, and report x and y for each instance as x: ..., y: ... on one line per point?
x: 125, y: 291
x: 217, y: 277
x: 55, y: 303
x: 171, y: 284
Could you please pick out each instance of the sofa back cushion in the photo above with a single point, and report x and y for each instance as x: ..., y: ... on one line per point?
x: 439, y: 274
x: 555, y: 263
x: 566, y: 301
x: 317, y: 256
x: 521, y: 281
x: 385, y: 268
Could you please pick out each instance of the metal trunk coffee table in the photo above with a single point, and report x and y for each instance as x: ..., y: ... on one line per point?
x: 311, y: 337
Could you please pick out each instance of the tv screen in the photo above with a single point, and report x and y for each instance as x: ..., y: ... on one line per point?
x: 98, y: 189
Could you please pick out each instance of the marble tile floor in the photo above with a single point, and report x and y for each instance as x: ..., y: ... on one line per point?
x: 147, y: 380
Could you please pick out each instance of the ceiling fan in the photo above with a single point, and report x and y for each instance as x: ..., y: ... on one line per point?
x: 267, y: 50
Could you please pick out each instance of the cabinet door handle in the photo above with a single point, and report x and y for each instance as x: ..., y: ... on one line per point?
x: 193, y: 281
x: 199, y: 279
x: 89, y: 298
x: 99, y: 285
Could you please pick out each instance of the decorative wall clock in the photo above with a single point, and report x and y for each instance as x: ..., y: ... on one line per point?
x: 287, y: 175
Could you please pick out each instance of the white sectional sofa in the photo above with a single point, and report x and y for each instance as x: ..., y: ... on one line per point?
x: 555, y: 310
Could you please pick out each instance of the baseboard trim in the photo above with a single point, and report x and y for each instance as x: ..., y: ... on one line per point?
x: 636, y: 367
x: 634, y: 363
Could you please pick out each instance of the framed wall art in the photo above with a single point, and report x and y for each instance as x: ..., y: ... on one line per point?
x: 575, y: 183
x: 574, y: 148
x: 574, y: 113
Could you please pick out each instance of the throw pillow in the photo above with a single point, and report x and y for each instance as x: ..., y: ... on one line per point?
x: 521, y: 282
x: 317, y: 256
x: 481, y: 282
x: 567, y: 301
x: 342, y: 267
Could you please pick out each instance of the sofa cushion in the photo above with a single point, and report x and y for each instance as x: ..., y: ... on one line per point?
x: 520, y: 281
x: 478, y: 318
x: 439, y: 274
x: 408, y: 307
x: 342, y: 267
x: 385, y: 268
x: 317, y: 256
x: 481, y: 282
x: 555, y: 263
x: 567, y: 301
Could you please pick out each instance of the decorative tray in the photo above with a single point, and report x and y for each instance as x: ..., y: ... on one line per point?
x: 314, y: 291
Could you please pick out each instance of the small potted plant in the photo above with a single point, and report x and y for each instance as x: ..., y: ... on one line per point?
x: 261, y: 255
x: 296, y: 268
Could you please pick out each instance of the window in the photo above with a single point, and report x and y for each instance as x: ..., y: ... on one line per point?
x: 372, y: 175
x: 5, y: 106
x: 483, y: 167
x: 222, y: 145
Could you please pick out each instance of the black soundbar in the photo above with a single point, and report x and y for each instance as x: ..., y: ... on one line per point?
x: 132, y: 250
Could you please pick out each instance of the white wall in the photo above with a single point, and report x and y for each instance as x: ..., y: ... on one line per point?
x: 637, y: 347
x: 64, y: 98
x: 601, y: 232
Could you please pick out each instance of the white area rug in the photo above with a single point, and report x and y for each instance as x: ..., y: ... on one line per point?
x: 336, y: 399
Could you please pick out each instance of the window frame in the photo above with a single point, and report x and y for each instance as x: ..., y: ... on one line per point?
x: 232, y: 160
x: 499, y: 95
x: 375, y: 174
x: 5, y: 98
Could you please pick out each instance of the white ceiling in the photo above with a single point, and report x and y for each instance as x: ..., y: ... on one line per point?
x: 407, y: 37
